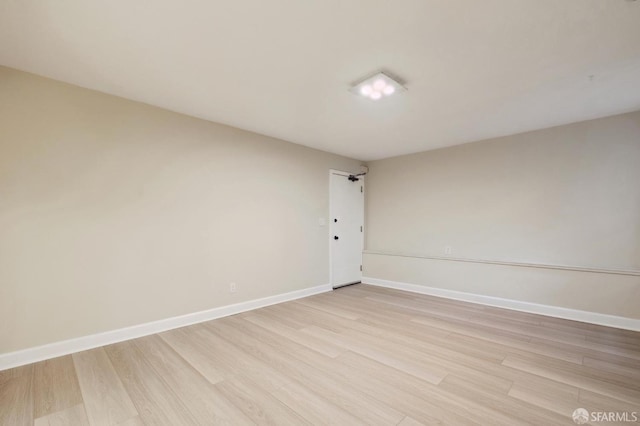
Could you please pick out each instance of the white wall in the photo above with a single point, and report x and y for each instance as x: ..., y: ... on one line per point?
x: 565, y: 196
x: 115, y: 213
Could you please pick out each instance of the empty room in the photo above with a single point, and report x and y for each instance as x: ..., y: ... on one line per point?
x: 305, y: 212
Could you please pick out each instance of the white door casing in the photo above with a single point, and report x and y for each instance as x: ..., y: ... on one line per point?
x: 346, y: 222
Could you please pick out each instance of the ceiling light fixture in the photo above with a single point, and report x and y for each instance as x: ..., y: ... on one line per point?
x: 377, y: 86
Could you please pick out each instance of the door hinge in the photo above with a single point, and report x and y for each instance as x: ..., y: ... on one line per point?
x: 361, y: 190
x: 361, y: 229
x: 360, y: 268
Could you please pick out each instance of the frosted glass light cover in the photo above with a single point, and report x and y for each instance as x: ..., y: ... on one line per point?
x: 377, y: 86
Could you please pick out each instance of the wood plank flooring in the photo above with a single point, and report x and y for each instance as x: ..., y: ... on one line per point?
x: 360, y: 355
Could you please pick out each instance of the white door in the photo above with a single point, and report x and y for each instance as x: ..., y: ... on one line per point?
x: 346, y: 228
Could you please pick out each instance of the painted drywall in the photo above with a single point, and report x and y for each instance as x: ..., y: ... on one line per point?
x: 114, y: 213
x: 561, y: 196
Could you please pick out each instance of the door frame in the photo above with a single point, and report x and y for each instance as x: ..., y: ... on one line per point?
x: 343, y: 173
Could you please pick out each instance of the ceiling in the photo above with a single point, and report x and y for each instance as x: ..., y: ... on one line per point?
x: 473, y: 69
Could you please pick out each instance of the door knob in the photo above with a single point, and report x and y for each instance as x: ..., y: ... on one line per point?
x: 335, y: 237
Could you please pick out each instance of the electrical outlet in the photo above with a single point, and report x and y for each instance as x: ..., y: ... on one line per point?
x: 233, y: 288
x: 448, y: 250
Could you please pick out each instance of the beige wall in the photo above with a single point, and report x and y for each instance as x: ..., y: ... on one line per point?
x: 562, y: 196
x: 114, y: 213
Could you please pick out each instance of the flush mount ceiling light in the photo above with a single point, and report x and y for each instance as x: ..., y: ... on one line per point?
x: 377, y: 86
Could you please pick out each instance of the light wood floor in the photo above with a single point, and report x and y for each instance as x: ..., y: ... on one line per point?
x: 358, y: 355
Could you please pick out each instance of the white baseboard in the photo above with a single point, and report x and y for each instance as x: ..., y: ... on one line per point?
x: 65, y: 347
x: 516, y: 305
